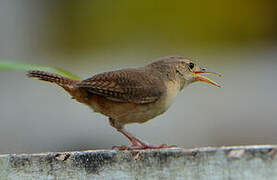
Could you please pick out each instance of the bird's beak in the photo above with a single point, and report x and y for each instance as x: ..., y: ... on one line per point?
x: 198, y: 77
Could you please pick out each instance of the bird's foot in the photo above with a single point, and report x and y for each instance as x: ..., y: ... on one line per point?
x: 143, y: 147
x: 150, y: 146
x: 137, y: 144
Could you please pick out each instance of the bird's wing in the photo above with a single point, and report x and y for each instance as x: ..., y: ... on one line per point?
x: 129, y: 85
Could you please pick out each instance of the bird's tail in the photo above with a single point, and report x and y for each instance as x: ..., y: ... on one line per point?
x: 51, y: 77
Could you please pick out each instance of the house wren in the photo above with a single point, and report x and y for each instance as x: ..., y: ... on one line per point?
x: 133, y: 95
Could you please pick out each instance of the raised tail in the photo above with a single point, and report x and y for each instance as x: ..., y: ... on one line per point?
x: 51, y: 77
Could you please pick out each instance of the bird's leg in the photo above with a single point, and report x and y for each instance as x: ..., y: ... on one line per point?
x: 121, y: 129
x: 136, y: 142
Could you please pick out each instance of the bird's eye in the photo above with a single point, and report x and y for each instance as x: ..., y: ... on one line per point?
x: 191, y: 65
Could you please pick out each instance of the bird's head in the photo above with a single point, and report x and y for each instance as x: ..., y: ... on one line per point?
x: 185, y: 70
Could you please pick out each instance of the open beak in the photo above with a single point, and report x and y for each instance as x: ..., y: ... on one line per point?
x: 198, y: 77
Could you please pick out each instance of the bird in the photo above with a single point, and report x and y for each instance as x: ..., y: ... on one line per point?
x: 132, y: 95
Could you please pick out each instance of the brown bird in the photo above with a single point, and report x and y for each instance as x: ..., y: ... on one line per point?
x: 133, y: 95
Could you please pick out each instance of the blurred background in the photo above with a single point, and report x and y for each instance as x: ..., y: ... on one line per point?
x: 236, y: 38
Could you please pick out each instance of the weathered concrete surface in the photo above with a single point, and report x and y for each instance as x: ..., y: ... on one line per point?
x: 232, y: 163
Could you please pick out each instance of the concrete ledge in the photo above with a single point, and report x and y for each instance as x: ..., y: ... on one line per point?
x: 241, y: 162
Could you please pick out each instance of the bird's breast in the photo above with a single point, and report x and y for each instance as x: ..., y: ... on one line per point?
x: 172, y: 90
